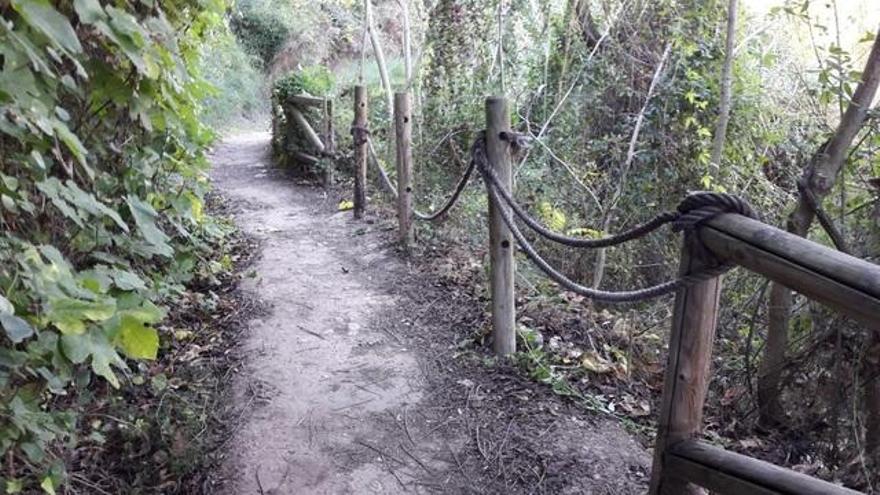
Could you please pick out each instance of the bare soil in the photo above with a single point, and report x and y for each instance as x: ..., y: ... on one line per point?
x: 364, y: 375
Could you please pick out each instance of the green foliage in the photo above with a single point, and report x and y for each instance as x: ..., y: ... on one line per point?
x: 262, y: 33
x: 241, y: 92
x: 102, y: 189
x: 316, y: 80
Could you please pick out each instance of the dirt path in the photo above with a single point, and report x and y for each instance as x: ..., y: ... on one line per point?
x: 354, y: 383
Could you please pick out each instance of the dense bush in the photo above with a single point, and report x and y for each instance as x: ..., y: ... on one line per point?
x: 262, y: 33
x: 102, y: 185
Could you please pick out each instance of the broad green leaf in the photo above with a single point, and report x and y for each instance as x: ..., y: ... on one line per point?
x: 94, y: 344
x: 40, y: 15
x: 145, y: 217
x: 6, y: 306
x: 126, y: 280
x: 137, y: 340
x: 48, y: 485
x: 14, y: 486
x: 16, y: 328
x: 89, y: 11
x: 70, y: 315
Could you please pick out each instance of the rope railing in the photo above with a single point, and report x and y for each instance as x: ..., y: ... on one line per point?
x: 696, y: 209
x: 719, y: 232
x: 438, y: 214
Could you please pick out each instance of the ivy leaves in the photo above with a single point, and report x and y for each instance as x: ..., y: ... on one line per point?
x: 16, y: 328
x: 100, y: 203
x: 40, y: 15
x: 145, y: 217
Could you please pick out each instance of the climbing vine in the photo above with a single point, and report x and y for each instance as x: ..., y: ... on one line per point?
x: 102, y: 187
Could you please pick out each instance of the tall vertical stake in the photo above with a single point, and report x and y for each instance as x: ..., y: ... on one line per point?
x: 687, y: 368
x: 329, y: 143
x: 500, y: 240
x: 403, y: 139
x: 360, y: 151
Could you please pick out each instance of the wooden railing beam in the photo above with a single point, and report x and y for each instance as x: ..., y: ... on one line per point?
x: 843, y: 282
x: 729, y: 473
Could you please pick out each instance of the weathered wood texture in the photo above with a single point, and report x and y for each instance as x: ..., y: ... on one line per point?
x: 403, y: 140
x: 501, y: 248
x: 360, y: 153
x: 728, y: 473
x: 329, y: 142
x: 687, y: 369
x: 306, y: 101
x: 307, y: 129
x: 841, y: 281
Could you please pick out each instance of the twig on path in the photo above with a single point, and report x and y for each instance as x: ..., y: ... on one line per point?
x: 406, y: 427
x: 352, y: 405
x: 413, y: 457
x: 380, y: 452
x: 259, y: 484
x: 316, y: 334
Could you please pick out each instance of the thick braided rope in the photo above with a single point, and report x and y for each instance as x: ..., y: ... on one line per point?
x: 359, y: 135
x: 456, y: 194
x: 451, y: 201
x: 385, y: 180
x: 696, y: 209
x: 579, y: 242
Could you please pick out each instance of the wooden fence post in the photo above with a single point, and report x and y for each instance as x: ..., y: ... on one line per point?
x: 329, y: 142
x: 360, y: 151
x: 500, y: 240
x: 403, y: 139
x: 687, y: 369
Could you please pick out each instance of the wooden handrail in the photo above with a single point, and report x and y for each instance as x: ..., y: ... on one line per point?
x: 729, y: 473
x: 306, y: 101
x: 843, y: 282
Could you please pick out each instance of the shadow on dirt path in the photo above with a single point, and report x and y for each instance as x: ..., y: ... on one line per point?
x: 355, y: 380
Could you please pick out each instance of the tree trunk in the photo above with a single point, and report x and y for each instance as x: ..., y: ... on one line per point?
x: 871, y: 367
x: 726, y: 91
x: 819, y: 178
x: 380, y: 57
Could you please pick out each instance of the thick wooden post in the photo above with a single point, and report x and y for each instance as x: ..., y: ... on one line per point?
x: 360, y: 151
x: 687, y: 369
x: 329, y: 141
x: 403, y: 139
x: 500, y: 239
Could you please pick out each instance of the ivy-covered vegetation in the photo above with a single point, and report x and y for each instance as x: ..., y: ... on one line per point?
x: 103, y: 223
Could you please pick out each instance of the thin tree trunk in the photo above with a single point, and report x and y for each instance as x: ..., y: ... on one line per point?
x: 726, y: 90
x: 380, y: 57
x: 871, y: 368
x: 818, y: 180
x: 407, y: 43
x: 599, y: 268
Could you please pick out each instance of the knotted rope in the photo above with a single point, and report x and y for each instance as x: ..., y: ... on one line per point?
x: 360, y: 135
x: 696, y: 209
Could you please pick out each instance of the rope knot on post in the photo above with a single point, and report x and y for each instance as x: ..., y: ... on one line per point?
x: 699, y: 207
x: 360, y: 135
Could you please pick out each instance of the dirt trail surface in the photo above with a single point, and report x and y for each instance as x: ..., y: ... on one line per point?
x: 357, y: 381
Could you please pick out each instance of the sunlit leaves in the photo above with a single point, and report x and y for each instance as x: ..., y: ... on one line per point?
x: 40, y: 15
